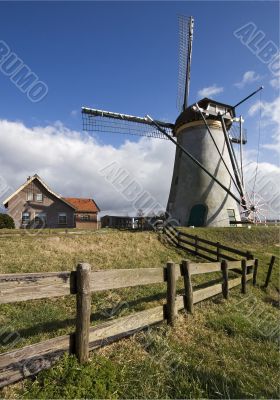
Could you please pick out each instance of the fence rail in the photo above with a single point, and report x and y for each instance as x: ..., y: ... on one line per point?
x: 33, y: 286
x: 195, y: 246
x: 27, y: 361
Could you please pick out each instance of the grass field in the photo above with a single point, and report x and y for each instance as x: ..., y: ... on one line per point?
x: 227, y: 349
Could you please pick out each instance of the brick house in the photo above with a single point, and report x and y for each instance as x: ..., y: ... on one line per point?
x: 35, y: 205
x: 86, y: 211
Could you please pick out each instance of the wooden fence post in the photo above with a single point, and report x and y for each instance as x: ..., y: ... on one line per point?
x: 243, y: 277
x: 218, y: 251
x: 83, y: 302
x: 171, y: 293
x: 188, y: 296
x: 256, y: 264
x: 272, y: 261
x: 224, y: 268
x: 249, y: 256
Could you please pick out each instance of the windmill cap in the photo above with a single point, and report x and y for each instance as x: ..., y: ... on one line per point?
x: 191, y: 113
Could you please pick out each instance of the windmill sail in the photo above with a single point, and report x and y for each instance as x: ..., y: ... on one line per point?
x: 110, y: 122
x: 186, y: 25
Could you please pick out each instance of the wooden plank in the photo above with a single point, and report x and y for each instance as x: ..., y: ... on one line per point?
x: 250, y: 263
x: 196, y: 254
x: 171, y: 238
x: 235, y: 251
x: 188, y: 296
x: 116, y: 329
x: 186, y: 242
x: 120, y: 278
x: 203, y: 268
x: 237, y: 281
x: 171, y: 228
x: 170, y: 234
x: 205, y: 293
x: 29, y: 360
x: 171, y: 293
x: 21, y: 363
x: 197, y: 246
x: 83, y: 301
x: 180, y: 303
x: 214, y: 244
x: 22, y: 287
x: 234, y: 282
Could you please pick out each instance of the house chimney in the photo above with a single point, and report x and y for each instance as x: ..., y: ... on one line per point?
x: 28, y: 178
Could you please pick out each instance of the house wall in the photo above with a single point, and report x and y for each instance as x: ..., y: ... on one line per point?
x: 50, y: 205
x: 82, y: 224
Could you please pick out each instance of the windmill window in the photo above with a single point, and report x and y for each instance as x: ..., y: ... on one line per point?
x: 29, y: 196
x: 62, y: 218
x: 176, y: 180
x: 231, y: 215
x: 39, y: 197
x: 220, y: 110
x: 25, y: 219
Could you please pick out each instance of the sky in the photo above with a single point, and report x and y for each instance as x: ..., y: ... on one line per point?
x: 123, y: 57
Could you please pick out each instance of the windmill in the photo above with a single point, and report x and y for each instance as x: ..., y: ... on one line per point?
x: 207, y: 187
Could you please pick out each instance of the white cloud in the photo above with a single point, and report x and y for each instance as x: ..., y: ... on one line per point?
x: 275, y: 83
x: 270, y: 120
x: 74, y: 113
x: 248, y: 77
x: 210, y: 91
x: 70, y: 161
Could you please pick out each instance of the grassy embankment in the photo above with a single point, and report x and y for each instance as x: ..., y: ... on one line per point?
x: 225, y: 350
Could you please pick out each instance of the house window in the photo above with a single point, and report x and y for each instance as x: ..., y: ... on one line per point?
x: 85, y: 217
x: 39, y: 197
x: 29, y: 196
x: 40, y: 219
x: 25, y: 219
x: 62, y: 218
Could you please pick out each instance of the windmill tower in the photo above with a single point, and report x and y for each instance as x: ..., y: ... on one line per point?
x: 195, y: 199
x: 207, y: 186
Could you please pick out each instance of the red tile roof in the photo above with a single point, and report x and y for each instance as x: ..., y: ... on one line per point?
x: 83, y: 205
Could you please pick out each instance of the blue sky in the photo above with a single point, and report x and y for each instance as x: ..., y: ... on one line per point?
x: 123, y: 56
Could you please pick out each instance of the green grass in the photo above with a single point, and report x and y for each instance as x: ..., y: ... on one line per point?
x: 227, y: 349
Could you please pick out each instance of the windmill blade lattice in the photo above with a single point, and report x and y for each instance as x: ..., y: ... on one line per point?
x: 109, y: 122
x: 234, y: 133
x: 185, y: 49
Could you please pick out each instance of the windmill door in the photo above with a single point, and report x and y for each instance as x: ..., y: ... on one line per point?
x: 198, y: 215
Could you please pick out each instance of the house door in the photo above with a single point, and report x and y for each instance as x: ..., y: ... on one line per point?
x: 198, y: 215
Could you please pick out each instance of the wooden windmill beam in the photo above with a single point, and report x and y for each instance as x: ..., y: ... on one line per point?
x: 125, y: 117
x: 217, y: 148
x: 233, y: 162
x: 189, y: 60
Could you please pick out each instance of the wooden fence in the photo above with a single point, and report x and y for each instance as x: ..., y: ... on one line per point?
x: 29, y: 360
x: 214, y: 251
